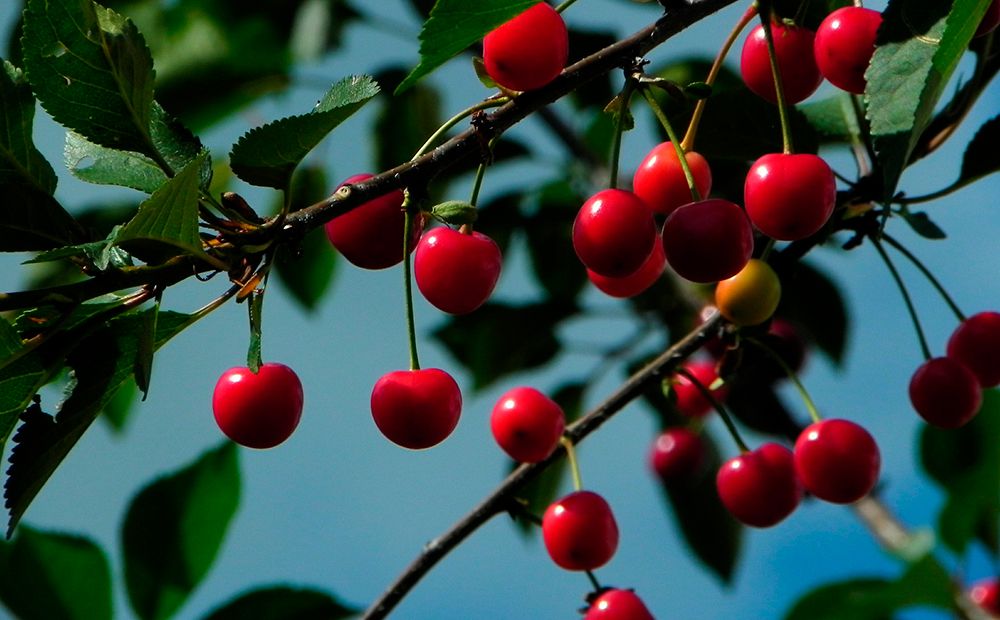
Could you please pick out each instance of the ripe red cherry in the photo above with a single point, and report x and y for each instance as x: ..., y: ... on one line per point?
x: 371, y: 235
x: 990, y: 21
x: 618, y: 605
x: 945, y: 393
x: 760, y: 488
x: 677, y: 454
x: 707, y: 241
x: 837, y: 460
x: 416, y: 409
x: 454, y: 271
x: 690, y: 400
x: 634, y: 283
x: 844, y: 45
x: 986, y: 594
x: 789, y: 196
x: 793, y: 49
x: 613, y: 233
x: 579, y: 531
x: 660, y: 180
x: 258, y: 410
x: 527, y: 424
x: 528, y: 51
x: 976, y: 344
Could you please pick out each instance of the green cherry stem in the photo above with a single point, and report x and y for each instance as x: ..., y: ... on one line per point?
x: 594, y: 583
x: 408, y: 283
x: 493, y: 102
x: 699, y: 109
x: 625, y: 97
x: 799, y: 387
x: 477, y: 185
x: 678, y: 148
x: 726, y: 419
x: 779, y: 89
x: 574, y: 467
x: 906, y: 298
x: 927, y: 274
x: 565, y: 5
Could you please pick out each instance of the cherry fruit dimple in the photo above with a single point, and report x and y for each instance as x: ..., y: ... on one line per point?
x: 416, y: 409
x: 789, y: 196
x: 456, y: 272
x: 527, y: 424
x: 660, y: 181
x: 258, y: 410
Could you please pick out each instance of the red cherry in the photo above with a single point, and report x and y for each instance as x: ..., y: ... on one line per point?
x: 789, y: 196
x: 527, y: 424
x: 844, y: 45
x: 986, y: 594
x: 456, y: 272
x: 793, y: 49
x: 760, y: 488
x: 634, y: 283
x: 837, y: 461
x: 528, y: 51
x: 990, y: 21
x: 707, y: 241
x: 976, y: 344
x: 416, y: 409
x: 371, y: 235
x: 579, y: 531
x: 660, y: 180
x: 677, y: 454
x: 618, y: 605
x: 690, y: 400
x: 945, y: 393
x: 614, y: 233
x: 258, y: 410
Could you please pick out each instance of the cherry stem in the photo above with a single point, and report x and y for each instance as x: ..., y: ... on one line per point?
x: 779, y: 89
x: 574, y: 467
x: 794, y: 378
x: 480, y: 173
x: 927, y: 274
x: 616, y: 144
x: 458, y: 118
x: 768, y: 248
x: 565, y: 5
x: 213, y: 305
x: 593, y: 581
x: 726, y: 419
x: 906, y: 298
x: 408, y: 283
x: 699, y: 109
x: 678, y: 148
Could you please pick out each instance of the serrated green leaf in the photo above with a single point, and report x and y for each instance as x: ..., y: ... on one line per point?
x: 102, y: 254
x: 832, y: 118
x: 283, y: 603
x: 982, y: 156
x: 100, y: 363
x: 91, y: 71
x: 174, y: 529
x: 51, y: 576
x: 921, y: 224
x: 454, y: 25
x: 168, y: 221
x: 20, y: 162
x: 268, y: 155
x: 919, y: 45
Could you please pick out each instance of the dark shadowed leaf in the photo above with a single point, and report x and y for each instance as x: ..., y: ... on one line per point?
x: 307, y: 268
x: 404, y: 121
x: 812, y: 301
x: 808, y: 14
x: 283, y: 603
x: 981, y: 156
x: 50, y: 576
x: 118, y: 409
x: 174, y: 529
x: 921, y: 224
x: 550, y: 241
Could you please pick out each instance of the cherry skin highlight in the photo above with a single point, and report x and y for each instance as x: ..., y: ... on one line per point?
x: 845, y: 43
x: 579, y: 531
x: 945, y: 393
x: 837, y: 460
x: 618, y: 604
x: 986, y: 594
x: 634, y: 283
x: 527, y: 424
x: 976, y: 344
x: 793, y: 49
x: 677, y: 454
x: 760, y: 488
x: 614, y: 233
x: 258, y: 410
x: 660, y: 182
x: 707, y: 241
x: 416, y: 409
x: 371, y: 235
x: 789, y: 197
x: 456, y: 272
x: 528, y: 51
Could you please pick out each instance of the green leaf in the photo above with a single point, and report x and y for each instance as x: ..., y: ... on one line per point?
x: 91, y: 71
x: 168, y: 221
x: 100, y: 363
x: 455, y: 212
x: 50, y: 576
x: 500, y: 339
x: 965, y: 462
x: 307, y: 269
x: 117, y: 410
x: 405, y: 121
x: 919, y: 45
x: 101, y: 254
x: 33, y: 221
x: 832, y: 118
x: 174, y: 529
x: 20, y: 162
x: 268, y: 155
x: 981, y: 156
x: 921, y: 224
x: 283, y: 603
x: 455, y: 25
